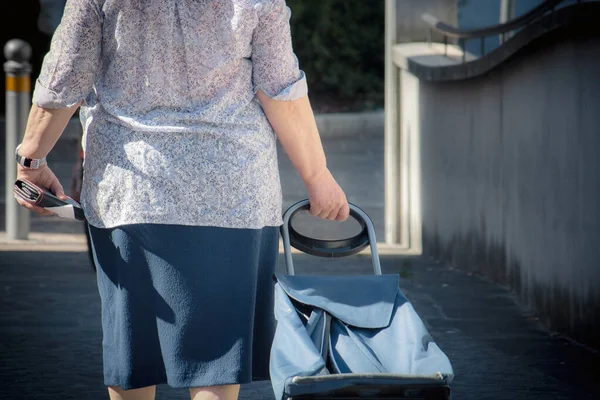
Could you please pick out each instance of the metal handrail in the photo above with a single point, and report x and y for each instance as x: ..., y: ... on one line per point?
x: 481, y: 33
x: 519, y: 22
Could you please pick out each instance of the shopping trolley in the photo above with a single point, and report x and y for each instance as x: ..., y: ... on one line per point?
x: 349, y: 337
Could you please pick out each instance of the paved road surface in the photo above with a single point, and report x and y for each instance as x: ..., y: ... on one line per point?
x: 50, y: 335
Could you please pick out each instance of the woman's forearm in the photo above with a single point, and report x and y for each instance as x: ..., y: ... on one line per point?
x: 294, y: 123
x: 44, y: 127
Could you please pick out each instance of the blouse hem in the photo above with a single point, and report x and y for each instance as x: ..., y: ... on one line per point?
x: 101, y: 225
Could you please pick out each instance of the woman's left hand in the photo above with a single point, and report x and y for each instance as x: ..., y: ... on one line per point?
x: 41, y: 177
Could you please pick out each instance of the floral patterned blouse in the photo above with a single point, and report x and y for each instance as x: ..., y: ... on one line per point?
x: 173, y: 130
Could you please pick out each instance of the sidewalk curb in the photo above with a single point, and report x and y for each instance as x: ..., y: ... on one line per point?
x: 77, y: 242
x: 44, y: 241
x: 333, y: 125
x: 348, y: 125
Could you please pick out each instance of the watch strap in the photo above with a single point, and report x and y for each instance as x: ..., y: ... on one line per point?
x: 30, y: 163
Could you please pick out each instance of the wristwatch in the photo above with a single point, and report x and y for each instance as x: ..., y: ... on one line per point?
x: 26, y: 162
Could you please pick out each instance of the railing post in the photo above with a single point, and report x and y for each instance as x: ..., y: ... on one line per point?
x: 507, y: 12
x: 445, y: 45
x: 392, y: 114
x: 18, y: 101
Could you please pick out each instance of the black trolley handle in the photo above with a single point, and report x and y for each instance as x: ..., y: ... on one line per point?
x: 328, y: 248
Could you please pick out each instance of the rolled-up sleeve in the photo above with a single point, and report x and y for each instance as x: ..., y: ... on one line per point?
x: 69, y: 69
x: 275, y: 68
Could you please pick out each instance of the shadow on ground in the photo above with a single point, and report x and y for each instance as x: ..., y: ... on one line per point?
x: 51, y: 340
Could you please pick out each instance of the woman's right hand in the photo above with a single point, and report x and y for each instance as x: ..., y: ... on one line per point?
x: 41, y: 177
x: 326, y: 197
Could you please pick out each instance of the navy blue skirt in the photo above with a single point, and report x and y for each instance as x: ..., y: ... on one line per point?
x: 189, y: 306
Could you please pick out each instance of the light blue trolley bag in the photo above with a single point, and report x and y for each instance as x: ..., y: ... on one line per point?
x: 350, y: 336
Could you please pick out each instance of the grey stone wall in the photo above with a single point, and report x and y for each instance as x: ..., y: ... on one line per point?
x: 511, y: 180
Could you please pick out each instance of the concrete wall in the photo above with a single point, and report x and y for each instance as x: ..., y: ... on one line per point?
x: 511, y: 180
